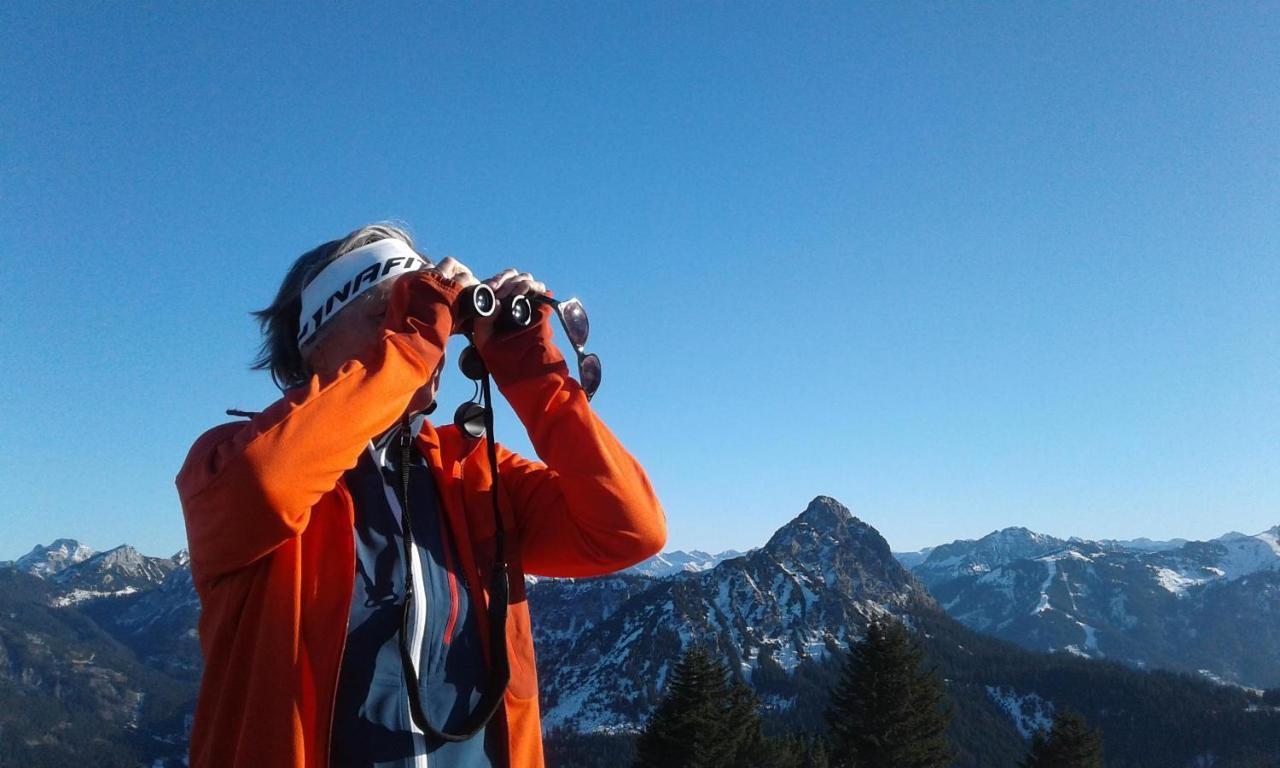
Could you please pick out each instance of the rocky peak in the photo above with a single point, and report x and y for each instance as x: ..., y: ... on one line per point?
x: 825, y: 513
x: 1015, y: 538
x: 46, y: 561
x: 823, y: 523
x: 992, y: 551
x: 124, y: 557
x: 117, y: 569
x: 828, y: 544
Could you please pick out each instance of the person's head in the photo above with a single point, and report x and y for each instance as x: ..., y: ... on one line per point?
x: 350, y: 330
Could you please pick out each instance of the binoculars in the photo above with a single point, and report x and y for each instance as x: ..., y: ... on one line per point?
x: 479, y: 300
x: 513, y: 313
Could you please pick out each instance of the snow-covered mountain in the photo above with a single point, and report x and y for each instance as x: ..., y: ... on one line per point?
x: 779, y: 614
x: 668, y: 563
x: 76, y: 573
x: 157, y: 623
x: 968, y: 557
x: 115, y: 573
x: 45, y: 561
x: 793, y: 601
x: 1208, y: 607
x: 1143, y: 544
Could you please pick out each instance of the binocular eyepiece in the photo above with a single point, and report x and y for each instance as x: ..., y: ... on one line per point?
x: 479, y: 300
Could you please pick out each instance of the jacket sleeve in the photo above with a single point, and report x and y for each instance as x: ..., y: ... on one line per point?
x: 589, y: 509
x: 246, y: 487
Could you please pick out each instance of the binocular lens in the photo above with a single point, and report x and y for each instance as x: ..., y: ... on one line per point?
x: 520, y: 312
x: 483, y: 300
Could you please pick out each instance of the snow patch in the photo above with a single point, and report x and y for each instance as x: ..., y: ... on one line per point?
x: 1042, y: 605
x: 1176, y: 582
x: 1029, y: 712
x: 80, y: 595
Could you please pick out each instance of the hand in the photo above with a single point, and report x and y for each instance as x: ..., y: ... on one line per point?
x: 506, y: 283
x: 458, y: 272
x: 509, y: 282
x: 454, y: 270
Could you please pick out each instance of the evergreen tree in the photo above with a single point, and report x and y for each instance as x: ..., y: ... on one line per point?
x: 816, y: 754
x: 745, y: 745
x: 1071, y: 743
x: 886, y: 711
x: 703, y: 721
x: 786, y: 751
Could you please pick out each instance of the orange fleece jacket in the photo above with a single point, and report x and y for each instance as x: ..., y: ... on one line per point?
x: 270, y: 526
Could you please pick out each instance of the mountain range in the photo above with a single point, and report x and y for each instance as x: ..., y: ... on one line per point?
x: 1206, y: 607
x: 99, y: 658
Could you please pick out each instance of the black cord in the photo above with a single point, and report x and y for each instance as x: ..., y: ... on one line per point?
x: 499, y: 597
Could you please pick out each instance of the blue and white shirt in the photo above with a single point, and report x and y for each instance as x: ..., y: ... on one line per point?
x: 372, y: 727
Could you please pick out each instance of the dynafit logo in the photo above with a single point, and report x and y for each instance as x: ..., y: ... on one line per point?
x: 352, y: 287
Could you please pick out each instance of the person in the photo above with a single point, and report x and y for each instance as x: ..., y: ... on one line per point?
x: 295, y: 531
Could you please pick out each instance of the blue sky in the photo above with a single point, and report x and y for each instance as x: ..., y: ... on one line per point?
x: 959, y: 267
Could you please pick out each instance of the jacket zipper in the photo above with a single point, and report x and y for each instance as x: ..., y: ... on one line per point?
x: 446, y: 541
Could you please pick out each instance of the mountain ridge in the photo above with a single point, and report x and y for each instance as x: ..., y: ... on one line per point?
x: 781, y: 614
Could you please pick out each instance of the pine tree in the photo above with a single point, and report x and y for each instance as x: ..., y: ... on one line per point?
x: 816, y: 754
x: 885, y: 710
x: 1071, y: 743
x: 745, y: 745
x: 786, y: 751
x: 703, y: 721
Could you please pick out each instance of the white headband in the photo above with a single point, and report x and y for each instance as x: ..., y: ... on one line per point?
x: 348, y: 276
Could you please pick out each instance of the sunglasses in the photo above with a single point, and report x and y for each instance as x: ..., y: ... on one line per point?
x: 573, y: 319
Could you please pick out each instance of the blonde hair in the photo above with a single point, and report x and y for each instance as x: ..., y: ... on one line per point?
x: 279, y: 321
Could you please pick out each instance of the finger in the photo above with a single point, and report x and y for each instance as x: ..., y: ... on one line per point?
x: 527, y: 286
x: 456, y: 271
x: 497, y: 280
x: 446, y: 267
x: 522, y: 283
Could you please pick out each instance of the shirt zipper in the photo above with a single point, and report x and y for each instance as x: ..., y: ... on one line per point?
x: 419, y: 631
x: 419, y: 624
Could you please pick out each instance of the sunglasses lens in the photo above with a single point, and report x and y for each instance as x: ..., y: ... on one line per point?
x: 589, y: 374
x: 574, y: 317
